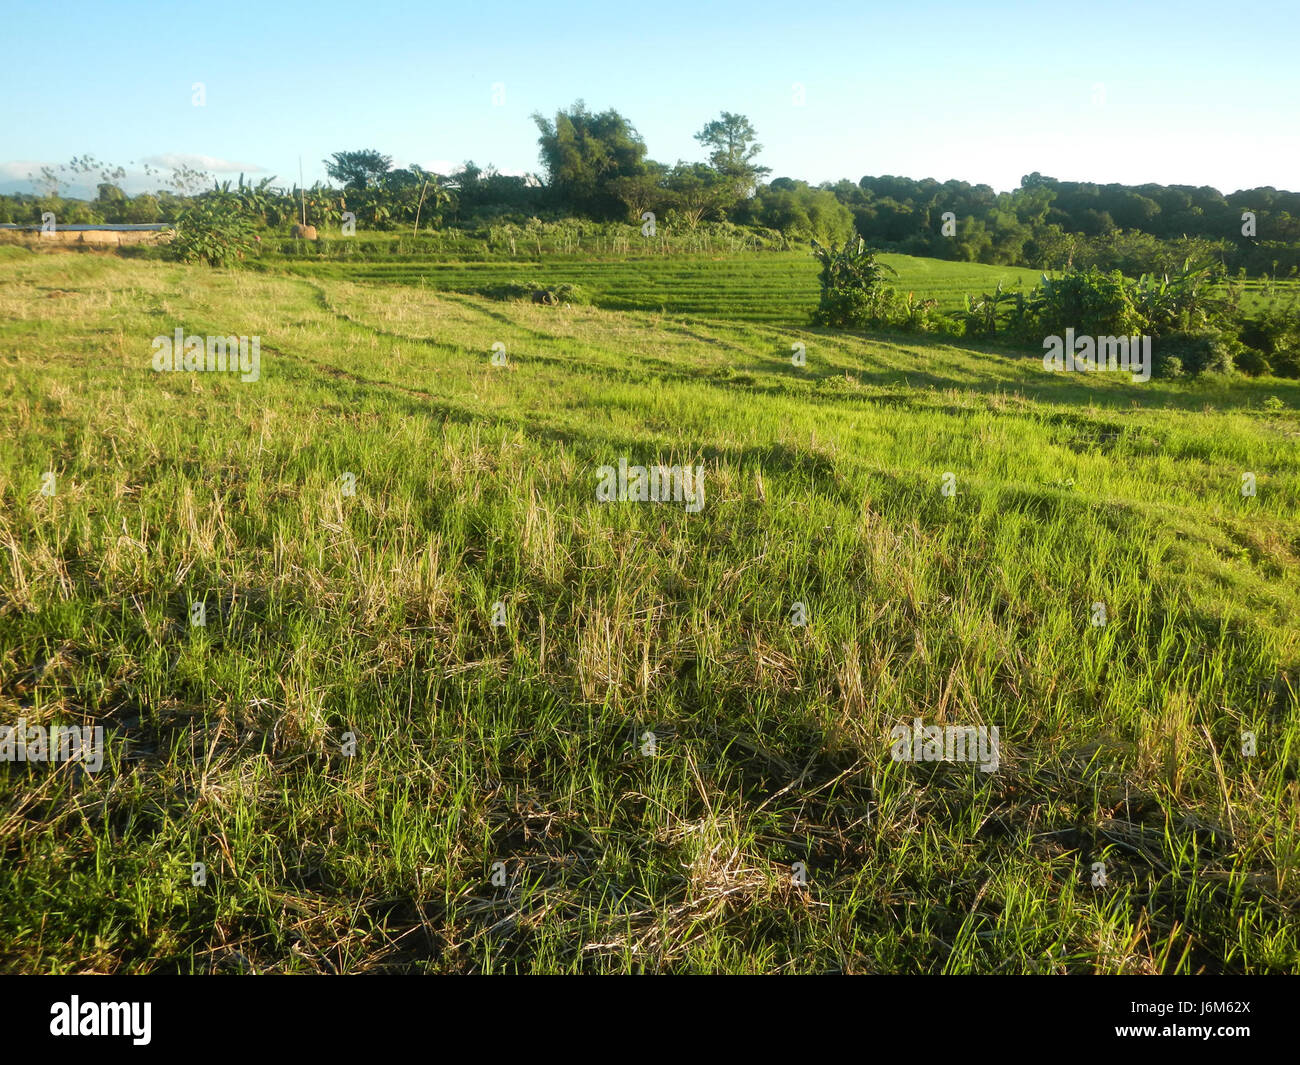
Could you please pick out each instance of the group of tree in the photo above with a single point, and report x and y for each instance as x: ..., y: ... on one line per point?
x: 1053, y: 224
x: 595, y: 166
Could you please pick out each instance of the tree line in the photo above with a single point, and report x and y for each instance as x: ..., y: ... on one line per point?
x: 595, y: 166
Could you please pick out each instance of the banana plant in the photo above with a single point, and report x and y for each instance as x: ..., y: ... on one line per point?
x: 258, y: 201
x: 850, y: 263
x: 982, y: 315
x: 220, y: 193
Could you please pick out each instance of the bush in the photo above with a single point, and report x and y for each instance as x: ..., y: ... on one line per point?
x: 854, y: 292
x: 509, y: 290
x: 1287, y: 363
x: 918, y: 316
x: 1253, y: 362
x: 1170, y: 366
x: 1182, y: 301
x: 1195, y: 353
x: 211, y: 232
x: 1193, y: 330
x: 1009, y: 311
x: 1274, y: 335
x: 1091, y: 302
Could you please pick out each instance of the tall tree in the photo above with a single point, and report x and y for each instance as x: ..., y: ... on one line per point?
x: 697, y: 192
x: 360, y: 169
x: 642, y: 192
x: 735, y: 145
x: 583, y: 153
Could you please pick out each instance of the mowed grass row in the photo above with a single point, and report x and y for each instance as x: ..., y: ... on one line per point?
x: 769, y: 287
x: 521, y: 744
x: 779, y: 288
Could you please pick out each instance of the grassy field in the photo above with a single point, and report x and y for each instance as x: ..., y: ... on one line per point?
x: 504, y: 808
x: 772, y: 287
x: 776, y: 287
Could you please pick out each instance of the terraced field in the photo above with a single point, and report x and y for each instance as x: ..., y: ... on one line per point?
x: 775, y: 287
x: 770, y: 287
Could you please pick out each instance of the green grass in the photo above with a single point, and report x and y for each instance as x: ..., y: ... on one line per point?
x: 520, y: 744
x: 777, y: 287
x: 773, y: 287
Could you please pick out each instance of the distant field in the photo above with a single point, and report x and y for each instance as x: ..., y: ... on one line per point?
x: 774, y: 287
x: 777, y: 287
x: 621, y: 736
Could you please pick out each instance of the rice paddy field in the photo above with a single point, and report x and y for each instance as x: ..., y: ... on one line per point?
x: 774, y: 287
x: 447, y: 710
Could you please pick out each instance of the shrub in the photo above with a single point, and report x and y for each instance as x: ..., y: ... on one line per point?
x: 1195, y: 353
x: 1253, y: 362
x: 917, y: 316
x: 1274, y: 335
x: 211, y: 232
x: 1170, y: 366
x: 1091, y: 302
x: 1181, y: 303
x: 853, y: 288
x: 983, y: 316
x: 1287, y: 363
x: 510, y: 290
x: 1193, y: 330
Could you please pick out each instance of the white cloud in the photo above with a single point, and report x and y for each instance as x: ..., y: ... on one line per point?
x: 172, y: 160
x: 18, y: 171
x: 14, y: 176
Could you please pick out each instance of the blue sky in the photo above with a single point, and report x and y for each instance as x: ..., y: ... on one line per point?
x: 1181, y: 92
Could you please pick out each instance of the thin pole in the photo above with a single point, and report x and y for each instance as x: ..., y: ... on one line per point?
x: 416, y: 230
